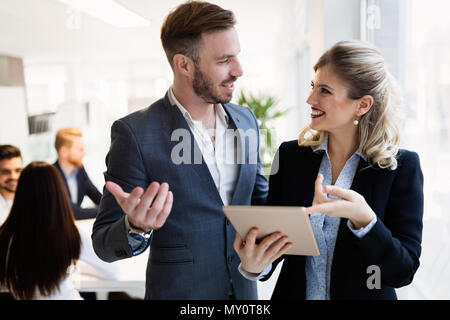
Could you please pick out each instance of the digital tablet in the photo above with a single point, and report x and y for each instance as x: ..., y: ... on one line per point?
x: 293, y: 222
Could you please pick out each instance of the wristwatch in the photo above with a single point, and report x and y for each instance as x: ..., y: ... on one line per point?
x: 136, y: 233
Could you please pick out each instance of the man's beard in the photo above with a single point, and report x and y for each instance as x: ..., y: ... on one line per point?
x: 204, y: 88
x: 8, y: 189
x: 76, y: 163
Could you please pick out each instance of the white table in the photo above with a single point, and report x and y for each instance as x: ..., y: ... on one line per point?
x: 127, y: 275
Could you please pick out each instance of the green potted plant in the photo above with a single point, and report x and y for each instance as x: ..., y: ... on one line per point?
x: 264, y: 108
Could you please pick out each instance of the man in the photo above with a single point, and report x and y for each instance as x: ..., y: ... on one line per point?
x: 11, y: 166
x: 191, y: 250
x: 70, y: 148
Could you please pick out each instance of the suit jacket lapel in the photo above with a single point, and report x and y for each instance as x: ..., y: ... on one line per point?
x: 361, y: 184
x: 56, y: 164
x: 80, y: 185
x: 363, y: 175
x: 312, y: 166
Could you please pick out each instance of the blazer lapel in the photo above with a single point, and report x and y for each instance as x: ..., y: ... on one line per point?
x: 56, y: 164
x: 80, y: 185
x: 312, y: 166
x: 361, y: 184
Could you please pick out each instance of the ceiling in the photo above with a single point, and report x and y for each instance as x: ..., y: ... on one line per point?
x: 37, y: 29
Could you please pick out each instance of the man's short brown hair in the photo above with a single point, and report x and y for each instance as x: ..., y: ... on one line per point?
x: 64, y: 137
x: 8, y: 151
x: 181, y: 31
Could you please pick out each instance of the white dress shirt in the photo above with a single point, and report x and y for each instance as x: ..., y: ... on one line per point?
x: 72, y: 183
x: 5, y: 208
x: 219, y: 156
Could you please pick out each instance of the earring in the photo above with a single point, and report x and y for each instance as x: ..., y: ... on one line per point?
x: 356, y: 122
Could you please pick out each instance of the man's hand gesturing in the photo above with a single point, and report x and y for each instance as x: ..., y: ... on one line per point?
x: 144, y: 211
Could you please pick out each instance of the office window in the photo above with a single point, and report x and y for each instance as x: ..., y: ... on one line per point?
x: 45, y: 87
x: 413, y: 36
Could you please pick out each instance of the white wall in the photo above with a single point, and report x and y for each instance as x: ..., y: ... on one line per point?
x: 13, y: 119
x: 341, y: 21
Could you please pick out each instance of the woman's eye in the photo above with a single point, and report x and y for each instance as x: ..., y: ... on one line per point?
x: 325, y: 91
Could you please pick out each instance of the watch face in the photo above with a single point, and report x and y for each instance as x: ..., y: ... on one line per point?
x: 142, y: 235
x: 137, y: 236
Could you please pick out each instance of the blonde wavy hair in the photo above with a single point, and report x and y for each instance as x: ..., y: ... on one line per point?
x: 362, y: 68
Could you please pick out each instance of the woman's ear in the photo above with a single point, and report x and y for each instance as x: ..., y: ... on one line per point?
x: 365, y: 103
x: 183, y: 65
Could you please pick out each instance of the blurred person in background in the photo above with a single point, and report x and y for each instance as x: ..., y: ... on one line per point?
x: 11, y: 166
x: 70, y: 148
x: 69, y: 145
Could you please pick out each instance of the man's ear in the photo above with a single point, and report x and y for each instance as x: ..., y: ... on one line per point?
x: 365, y: 103
x: 183, y: 65
x: 63, y: 152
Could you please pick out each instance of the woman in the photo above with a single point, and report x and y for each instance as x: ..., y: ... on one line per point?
x: 364, y: 194
x: 39, y: 242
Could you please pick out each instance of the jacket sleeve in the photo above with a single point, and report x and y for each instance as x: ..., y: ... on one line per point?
x: 92, y: 191
x: 126, y: 168
x: 83, y: 213
x: 86, y: 187
x: 394, y: 245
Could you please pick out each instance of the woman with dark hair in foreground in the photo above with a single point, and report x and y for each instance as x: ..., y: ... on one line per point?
x: 39, y: 242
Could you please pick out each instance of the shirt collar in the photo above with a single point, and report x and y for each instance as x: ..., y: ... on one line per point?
x: 220, y: 111
x: 73, y: 175
x: 361, y: 155
x: 2, y: 199
x: 324, y: 147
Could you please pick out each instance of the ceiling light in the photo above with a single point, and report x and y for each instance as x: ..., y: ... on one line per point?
x: 108, y: 11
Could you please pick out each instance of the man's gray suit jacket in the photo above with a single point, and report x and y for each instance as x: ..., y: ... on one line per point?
x: 192, y: 255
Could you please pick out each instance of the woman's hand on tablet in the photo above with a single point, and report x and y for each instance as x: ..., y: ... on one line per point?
x: 257, y: 255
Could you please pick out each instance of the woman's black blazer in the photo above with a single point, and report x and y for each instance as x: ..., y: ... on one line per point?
x: 393, y: 244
